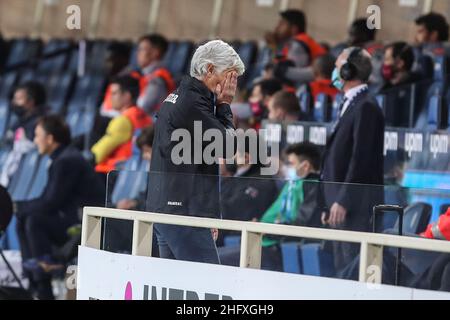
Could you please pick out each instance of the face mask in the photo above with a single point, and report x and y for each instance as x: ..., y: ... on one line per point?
x: 387, y: 72
x: 18, y: 110
x: 290, y: 173
x: 257, y: 108
x: 336, y: 80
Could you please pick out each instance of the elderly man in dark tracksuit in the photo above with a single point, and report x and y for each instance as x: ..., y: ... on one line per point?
x: 72, y: 183
x: 191, y: 186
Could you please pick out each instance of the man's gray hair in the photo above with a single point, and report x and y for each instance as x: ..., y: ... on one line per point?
x: 218, y: 53
x: 362, y: 61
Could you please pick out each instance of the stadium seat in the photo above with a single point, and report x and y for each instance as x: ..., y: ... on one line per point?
x: 415, y: 219
x: 232, y: 241
x: 437, y: 118
x: 23, y: 52
x: 88, y: 91
x: 304, y: 99
x: 168, y: 56
x: 59, y: 88
x: 255, y: 71
x: 125, y: 180
x: 21, y: 181
x: 40, y: 179
x: 335, y: 107
x: 316, y: 262
x: 322, y: 108
x: 11, y: 240
x: 51, y: 63
x: 443, y: 208
x: 291, y: 255
x: 7, y: 83
x: 440, y: 68
x: 180, y: 61
x: 4, y: 117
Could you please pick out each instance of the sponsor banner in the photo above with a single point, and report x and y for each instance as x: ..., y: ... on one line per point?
x: 108, y: 276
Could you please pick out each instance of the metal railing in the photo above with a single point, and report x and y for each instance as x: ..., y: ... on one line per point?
x: 371, y: 252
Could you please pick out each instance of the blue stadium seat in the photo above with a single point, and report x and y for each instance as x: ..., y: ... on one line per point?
x: 436, y: 115
x: 27, y: 75
x: 59, y: 88
x: 180, y: 61
x: 88, y: 91
x: 443, y: 208
x: 291, y: 256
x: 21, y: 181
x: 4, y: 117
x: 335, y: 107
x: 125, y: 180
x: 23, y: 51
x: 168, y: 56
x: 11, y: 240
x: 40, y: 179
x: 440, y: 68
x: 255, y: 71
x: 322, y: 108
x: 316, y: 262
x: 133, y: 57
x: 415, y: 219
x: 305, y: 103
x: 381, y: 99
x: 232, y: 241
x: 96, y: 61
x: 4, y: 152
x: 7, y: 83
x: 56, y: 63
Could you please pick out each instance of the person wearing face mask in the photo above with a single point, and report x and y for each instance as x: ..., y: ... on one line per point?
x: 292, y: 206
x: 353, y: 153
x: 397, y: 66
x: 188, y: 184
x: 260, y: 97
x: 28, y: 105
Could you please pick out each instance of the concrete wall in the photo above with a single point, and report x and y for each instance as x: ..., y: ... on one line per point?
x: 191, y: 19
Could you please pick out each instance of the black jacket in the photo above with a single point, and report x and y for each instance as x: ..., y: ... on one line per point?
x: 187, y: 188
x: 248, y: 196
x: 354, y: 155
x: 72, y: 183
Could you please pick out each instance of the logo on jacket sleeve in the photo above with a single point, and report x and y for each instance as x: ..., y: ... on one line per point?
x: 172, y: 98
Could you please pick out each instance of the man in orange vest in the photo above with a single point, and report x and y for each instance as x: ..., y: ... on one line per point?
x: 116, y: 145
x: 296, y: 49
x: 155, y: 81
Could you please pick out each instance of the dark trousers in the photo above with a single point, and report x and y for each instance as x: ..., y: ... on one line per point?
x: 186, y: 243
x: 271, y: 259
x: 38, y: 233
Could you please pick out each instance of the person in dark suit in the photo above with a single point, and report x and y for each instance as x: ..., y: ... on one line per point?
x: 354, y: 153
x: 43, y: 223
x: 183, y: 181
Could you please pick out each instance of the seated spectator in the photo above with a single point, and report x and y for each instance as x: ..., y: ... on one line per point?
x: 431, y: 32
x: 397, y: 65
x: 284, y: 107
x: 323, y: 68
x: 296, y: 204
x: 246, y: 194
x: 116, y: 145
x: 262, y: 93
x: 296, y: 49
x: 28, y: 105
x: 155, y: 81
x: 359, y: 35
x: 43, y: 223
